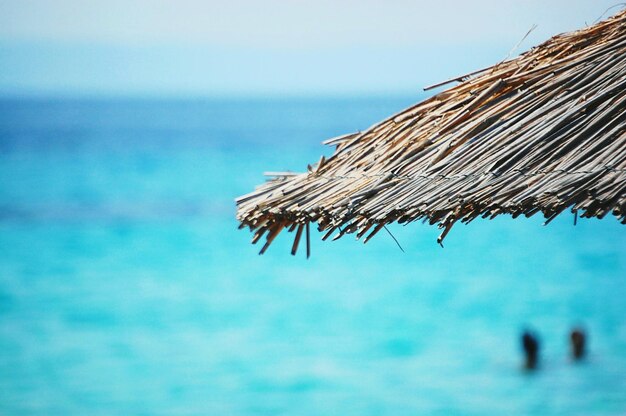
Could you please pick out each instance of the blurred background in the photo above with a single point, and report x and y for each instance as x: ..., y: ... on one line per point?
x: 128, y: 128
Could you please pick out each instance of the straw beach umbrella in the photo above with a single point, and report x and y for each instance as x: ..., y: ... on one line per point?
x: 544, y: 132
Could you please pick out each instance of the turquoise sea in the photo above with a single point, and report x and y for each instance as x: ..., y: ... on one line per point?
x: 126, y: 288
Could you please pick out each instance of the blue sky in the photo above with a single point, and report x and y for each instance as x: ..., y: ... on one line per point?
x: 204, y: 48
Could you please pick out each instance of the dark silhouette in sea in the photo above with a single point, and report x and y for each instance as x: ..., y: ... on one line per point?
x: 530, y: 344
x: 578, y: 340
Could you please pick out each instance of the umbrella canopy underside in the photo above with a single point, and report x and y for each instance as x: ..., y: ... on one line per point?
x: 543, y: 132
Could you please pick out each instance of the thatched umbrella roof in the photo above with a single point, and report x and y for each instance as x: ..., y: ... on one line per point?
x: 543, y: 132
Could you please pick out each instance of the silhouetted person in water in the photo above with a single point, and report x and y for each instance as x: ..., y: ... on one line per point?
x: 578, y: 340
x: 530, y: 343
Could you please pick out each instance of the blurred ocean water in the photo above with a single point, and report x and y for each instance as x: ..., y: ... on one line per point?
x: 126, y: 288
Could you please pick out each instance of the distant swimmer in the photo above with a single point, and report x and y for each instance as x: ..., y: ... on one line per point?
x: 578, y: 341
x: 530, y: 344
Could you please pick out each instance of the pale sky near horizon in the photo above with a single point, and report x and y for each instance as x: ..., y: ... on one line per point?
x: 189, y: 47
